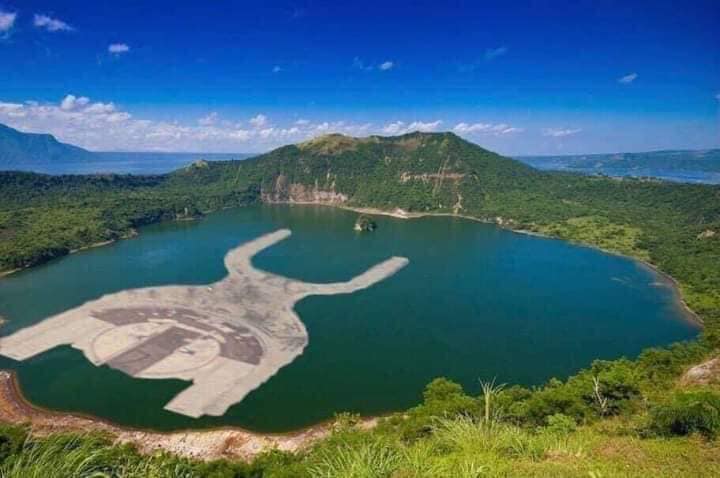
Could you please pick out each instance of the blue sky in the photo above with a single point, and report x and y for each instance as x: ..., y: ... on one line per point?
x: 516, y: 77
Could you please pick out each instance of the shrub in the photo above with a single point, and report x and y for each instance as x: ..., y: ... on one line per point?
x: 686, y: 413
x: 618, y: 383
x: 556, y: 397
x: 560, y: 424
x: 12, y: 438
x: 442, y: 398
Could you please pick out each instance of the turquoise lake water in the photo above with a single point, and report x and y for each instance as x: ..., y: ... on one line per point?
x: 475, y: 302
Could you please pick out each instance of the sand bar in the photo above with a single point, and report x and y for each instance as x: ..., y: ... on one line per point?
x: 227, y: 338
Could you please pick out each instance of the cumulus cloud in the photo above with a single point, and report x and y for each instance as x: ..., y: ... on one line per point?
x: 51, y: 24
x: 71, y: 102
x: 387, y: 65
x: 400, y: 127
x: 560, y: 132
x: 485, y: 128
x: 259, y: 121
x: 492, y: 53
x: 627, y: 79
x: 105, y: 126
x: 99, y: 108
x: 209, y: 119
x: 102, y: 126
x: 7, y: 20
x: 118, y: 48
x: 12, y: 110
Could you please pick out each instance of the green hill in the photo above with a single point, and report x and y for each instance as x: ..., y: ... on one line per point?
x: 18, y: 148
x: 417, y: 172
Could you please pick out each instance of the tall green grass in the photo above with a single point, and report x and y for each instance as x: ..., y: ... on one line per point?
x: 88, y: 456
x: 457, y: 447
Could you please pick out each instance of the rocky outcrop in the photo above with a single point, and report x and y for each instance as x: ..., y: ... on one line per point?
x: 703, y: 374
x: 283, y: 191
x: 428, y: 177
x: 707, y: 234
x: 364, y: 223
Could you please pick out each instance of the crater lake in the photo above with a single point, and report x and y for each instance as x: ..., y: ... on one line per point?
x: 475, y: 302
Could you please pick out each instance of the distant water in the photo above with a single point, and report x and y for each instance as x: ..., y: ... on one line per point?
x: 475, y: 302
x: 127, y: 163
x: 674, y: 175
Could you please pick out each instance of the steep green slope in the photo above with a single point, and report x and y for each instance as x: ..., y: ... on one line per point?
x: 18, y: 148
x: 418, y: 171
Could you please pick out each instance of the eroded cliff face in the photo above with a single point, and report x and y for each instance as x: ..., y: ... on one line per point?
x: 283, y: 191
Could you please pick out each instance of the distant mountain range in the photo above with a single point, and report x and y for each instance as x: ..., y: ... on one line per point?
x: 18, y: 148
x: 678, y: 165
x: 43, y: 153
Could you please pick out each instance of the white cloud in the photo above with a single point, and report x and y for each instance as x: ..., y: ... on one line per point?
x: 118, y: 48
x: 627, y: 79
x: 100, y: 108
x: 51, y: 24
x: 492, y: 53
x: 485, y: 128
x: 106, y: 126
x: 208, y: 120
x: 12, y: 110
x: 359, y: 64
x: 560, y: 132
x: 102, y: 126
x: 7, y: 20
x: 70, y: 102
x: 259, y: 121
x: 276, y: 69
x: 400, y: 127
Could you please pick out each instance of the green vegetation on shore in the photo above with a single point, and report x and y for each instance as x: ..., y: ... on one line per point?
x: 450, y: 434
x: 622, y: 417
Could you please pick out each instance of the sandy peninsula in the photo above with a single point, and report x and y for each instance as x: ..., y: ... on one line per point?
x: 227, y: 338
